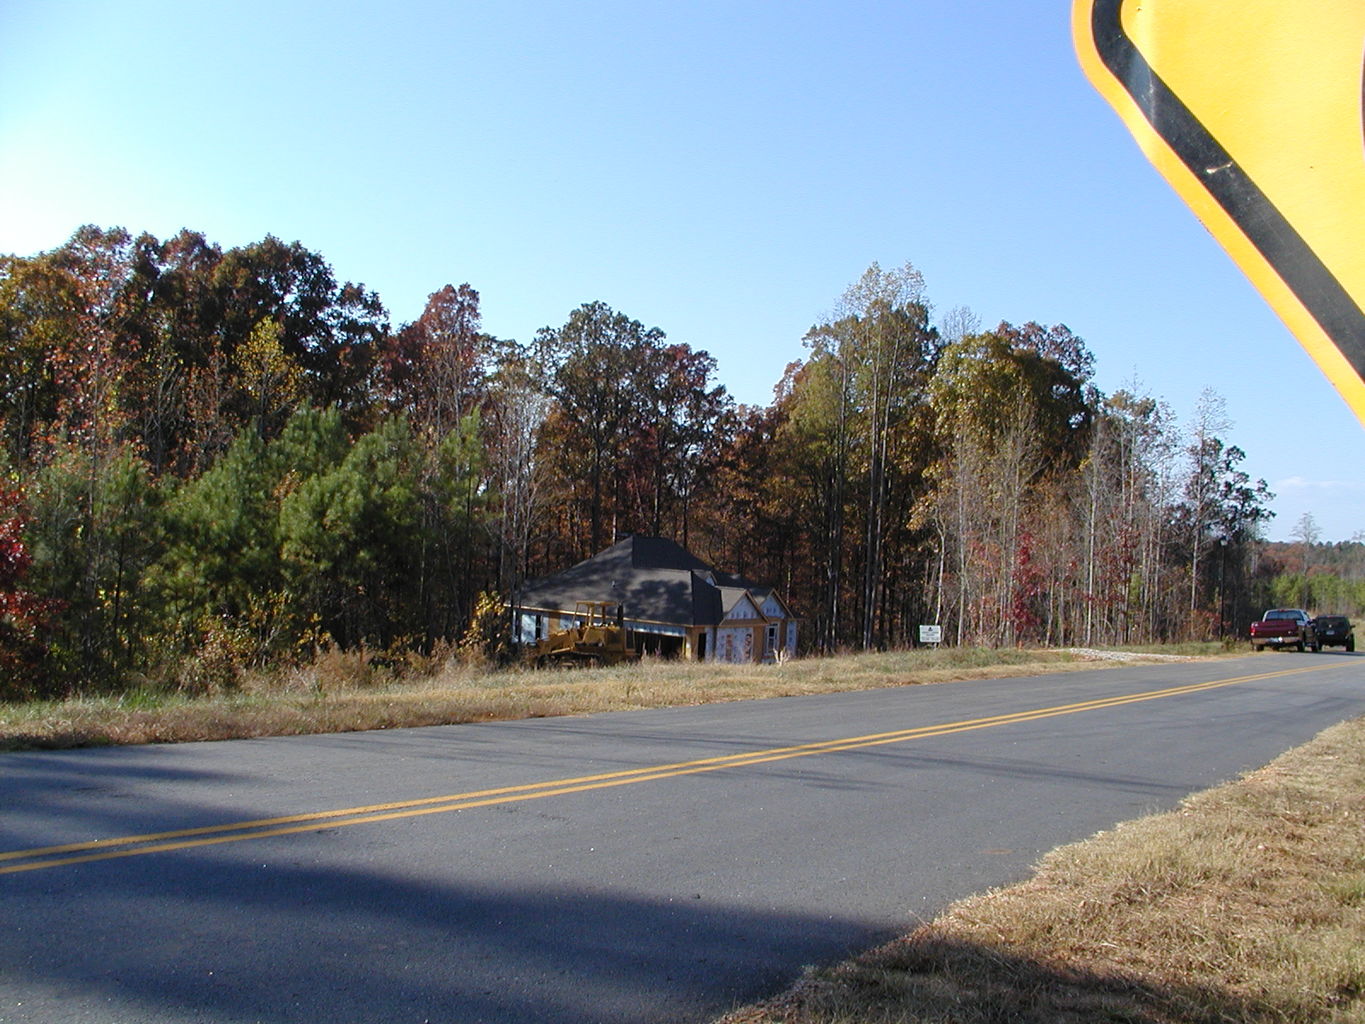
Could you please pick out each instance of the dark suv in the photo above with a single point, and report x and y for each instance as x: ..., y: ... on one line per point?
x: 1335, y: 631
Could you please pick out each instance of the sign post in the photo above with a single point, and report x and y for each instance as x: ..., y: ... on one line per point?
x: 1252, y: 111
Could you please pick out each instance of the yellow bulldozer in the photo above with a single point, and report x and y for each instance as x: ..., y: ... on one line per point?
x: 598, y: 637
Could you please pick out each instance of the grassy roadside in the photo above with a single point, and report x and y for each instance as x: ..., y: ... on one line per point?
x: 346, y: 694
x: 1245, y: 904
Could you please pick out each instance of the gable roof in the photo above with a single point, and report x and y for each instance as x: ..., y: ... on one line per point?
x: 655, y: 579
x: 739, y: 604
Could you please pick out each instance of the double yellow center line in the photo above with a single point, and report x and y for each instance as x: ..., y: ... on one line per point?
x: 183, y: 839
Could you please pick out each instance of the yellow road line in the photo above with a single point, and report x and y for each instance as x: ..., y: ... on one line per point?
x: 210, y: 835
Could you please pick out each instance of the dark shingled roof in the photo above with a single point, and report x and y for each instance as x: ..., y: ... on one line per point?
x: 656, y: 580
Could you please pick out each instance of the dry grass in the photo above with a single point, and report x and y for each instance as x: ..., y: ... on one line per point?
x: 1246, y: 904
x: 347, y: 693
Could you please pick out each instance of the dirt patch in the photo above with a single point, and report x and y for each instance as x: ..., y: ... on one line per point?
x: 1091, y: 654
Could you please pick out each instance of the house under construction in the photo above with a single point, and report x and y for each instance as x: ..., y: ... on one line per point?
x: 673, y: 604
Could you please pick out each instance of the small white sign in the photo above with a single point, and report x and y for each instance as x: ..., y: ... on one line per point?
x: 931, y: 634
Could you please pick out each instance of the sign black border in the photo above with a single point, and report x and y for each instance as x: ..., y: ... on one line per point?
x: 1282, y: 247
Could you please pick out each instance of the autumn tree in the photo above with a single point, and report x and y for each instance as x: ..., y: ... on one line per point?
x: 1126, y: 494
x: 1243, y: 506
x: 434, y: 369
x: 595, y: 365
x: 97, y: 527
x: 518, y: 405
x: 111, y: 338
x: 22, y: 612
x: 810, y: 471
x: 676, y: 441
x: 751, y: 521
x: 39, y: 308
x: 885, y: 333
x: 179, y: 330
x: 1198, y: 510
x: 1009, y: 414
x: 333, y: 331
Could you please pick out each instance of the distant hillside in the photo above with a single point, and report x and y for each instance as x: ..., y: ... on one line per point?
x: 1345, y: 559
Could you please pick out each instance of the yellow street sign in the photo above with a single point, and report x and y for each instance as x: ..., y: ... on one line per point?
x: 1252, y: 111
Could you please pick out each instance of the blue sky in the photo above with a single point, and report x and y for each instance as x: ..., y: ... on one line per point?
x: 719, y: 170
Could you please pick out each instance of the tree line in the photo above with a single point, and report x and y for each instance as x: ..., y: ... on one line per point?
x: 231, y: 458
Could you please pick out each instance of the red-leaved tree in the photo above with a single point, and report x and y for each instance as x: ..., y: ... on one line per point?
x: 21, y: 613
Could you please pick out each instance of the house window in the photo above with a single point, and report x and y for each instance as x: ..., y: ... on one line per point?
x: 771, y: 649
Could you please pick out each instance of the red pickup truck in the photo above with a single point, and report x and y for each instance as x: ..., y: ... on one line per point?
x: 1284, y: 627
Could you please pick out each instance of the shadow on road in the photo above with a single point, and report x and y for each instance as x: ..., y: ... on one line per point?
x: 198, y: 938
x: 194, y: 937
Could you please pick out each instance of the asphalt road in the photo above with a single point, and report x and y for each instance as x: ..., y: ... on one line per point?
x: 644, y: 867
